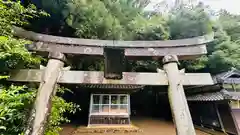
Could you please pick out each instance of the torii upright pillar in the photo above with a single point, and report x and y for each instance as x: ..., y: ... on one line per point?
x: 178, y: 102
x: 46, y: 91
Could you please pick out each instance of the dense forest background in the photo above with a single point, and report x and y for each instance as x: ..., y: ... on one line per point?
x: 104, y: 19
x: 127, y: 20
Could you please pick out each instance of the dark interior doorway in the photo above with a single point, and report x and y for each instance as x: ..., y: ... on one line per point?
x: 82, y: 98
x: 227, y: 118
x: 148, y: 102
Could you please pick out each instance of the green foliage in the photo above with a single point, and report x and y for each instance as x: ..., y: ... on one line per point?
x: 126, y: 20
x: 94, y: 20
x: 189, y: 21
x: 59, y: 108
x: 231, y: 24
x: 225, y: 57
x: 153, y: 28
x: 186, y: 22
x: 15, y: 103
x: 13, y: 54
x: 226, y: 47
x: 223, y: 51
x: 12, y: 51
x: 13, y: 13
x: 106, y: 19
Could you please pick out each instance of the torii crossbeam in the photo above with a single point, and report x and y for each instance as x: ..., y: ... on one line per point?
x: 170, y: 51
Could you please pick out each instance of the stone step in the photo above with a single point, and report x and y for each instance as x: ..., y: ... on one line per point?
x: 107, y: 129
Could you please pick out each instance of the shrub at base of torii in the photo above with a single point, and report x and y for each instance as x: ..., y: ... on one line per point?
x: 16, y: 101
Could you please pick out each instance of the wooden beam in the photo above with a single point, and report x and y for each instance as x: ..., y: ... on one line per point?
x: 94, y: 77
x: 188, y: 52
x: 109, y: 43
x: 219, y: 117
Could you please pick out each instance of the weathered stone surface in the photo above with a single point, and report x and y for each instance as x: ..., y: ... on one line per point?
x: 95, y: 77
x: 57, y: 55
x: 177, y: 98
x: 184, y: 52
x: 170, y: 58
x: 109, y: 43
x: 47, y: 89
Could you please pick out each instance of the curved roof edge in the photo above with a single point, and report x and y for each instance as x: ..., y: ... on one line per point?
x: 30, y: 35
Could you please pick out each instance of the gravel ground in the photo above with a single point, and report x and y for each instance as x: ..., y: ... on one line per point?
x: 147, y: 125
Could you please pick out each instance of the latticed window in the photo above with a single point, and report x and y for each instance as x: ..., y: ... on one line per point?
x: 110, y: 104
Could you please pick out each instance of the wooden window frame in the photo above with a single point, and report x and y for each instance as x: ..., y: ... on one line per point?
x: 109, y: 113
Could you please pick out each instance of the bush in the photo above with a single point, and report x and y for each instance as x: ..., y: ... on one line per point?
x: 59, y: 108
x: 16, y: 103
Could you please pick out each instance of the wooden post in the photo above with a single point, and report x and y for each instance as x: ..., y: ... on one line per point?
x: 177, y: 98
x: 46, y: 91
x: 219, y: 117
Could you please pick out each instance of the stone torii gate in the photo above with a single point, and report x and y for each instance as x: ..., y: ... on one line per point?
x: 58, y: 47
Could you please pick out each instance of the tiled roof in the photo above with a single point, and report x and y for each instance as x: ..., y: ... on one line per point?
x: 111, y: 86
x: 215, y: 96
x: 225, y: 77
